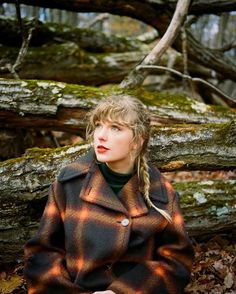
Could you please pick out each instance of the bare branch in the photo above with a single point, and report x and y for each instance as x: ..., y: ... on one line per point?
x: 13, y: 69
x: 98, y: 19
x: 187, y: 77
x: 136, y: 78
x: 23, y: 51
x: 227, y: 47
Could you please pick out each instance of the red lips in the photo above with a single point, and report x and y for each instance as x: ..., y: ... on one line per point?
x: 101, y: 149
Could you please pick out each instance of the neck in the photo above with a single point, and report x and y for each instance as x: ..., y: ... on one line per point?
x: 121, y: 170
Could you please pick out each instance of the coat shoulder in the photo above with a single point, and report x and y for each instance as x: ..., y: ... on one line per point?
x: 77, y: 168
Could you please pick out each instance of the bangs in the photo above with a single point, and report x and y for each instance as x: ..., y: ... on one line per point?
x: 113, y: 113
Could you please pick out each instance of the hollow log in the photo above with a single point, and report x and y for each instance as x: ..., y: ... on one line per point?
x: 63, y: 107
x: 208, y: 206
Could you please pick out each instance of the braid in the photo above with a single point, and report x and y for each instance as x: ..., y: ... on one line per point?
x: 144, y: 175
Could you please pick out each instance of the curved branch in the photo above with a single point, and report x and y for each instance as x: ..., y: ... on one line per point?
x: 187, y: 77
x: 136, y: 78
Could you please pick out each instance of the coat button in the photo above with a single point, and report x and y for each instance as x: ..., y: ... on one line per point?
x: 125, y: 222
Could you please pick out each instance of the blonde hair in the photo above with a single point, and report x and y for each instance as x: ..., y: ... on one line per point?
x: 130, y: 112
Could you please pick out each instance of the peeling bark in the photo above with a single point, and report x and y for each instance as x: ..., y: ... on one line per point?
x: 208, y: 206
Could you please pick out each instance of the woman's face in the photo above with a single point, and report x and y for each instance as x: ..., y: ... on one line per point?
x: 113, y: 144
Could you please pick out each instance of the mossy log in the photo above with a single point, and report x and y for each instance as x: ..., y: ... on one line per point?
x: 87, y: 52
x: 67, y: 62
x: 87, y: 38
x: 208, y: 206
x: 157, y: 14
x: 59, y: 106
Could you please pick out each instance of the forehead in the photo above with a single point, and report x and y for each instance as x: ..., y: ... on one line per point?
x: 118, y: 118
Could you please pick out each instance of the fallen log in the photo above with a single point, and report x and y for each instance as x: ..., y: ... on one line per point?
x: 93, y: 55
x: 69, y: 63
x: 63, y: 107
x: 87, y: 39
x: 208, y: 206
x: 157, y: 14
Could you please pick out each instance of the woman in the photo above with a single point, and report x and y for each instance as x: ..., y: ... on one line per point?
x: 112, y: 223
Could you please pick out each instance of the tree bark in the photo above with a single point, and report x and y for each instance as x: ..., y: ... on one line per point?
x: 94, y: 57
x: 158, y: 14
x: 63, y: 107
x: 208, y: 207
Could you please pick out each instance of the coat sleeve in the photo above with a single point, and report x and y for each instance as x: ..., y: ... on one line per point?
x: 45, y: 269
x: 169, y: 271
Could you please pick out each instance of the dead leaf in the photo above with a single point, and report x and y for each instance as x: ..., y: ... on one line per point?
x: 9, y: 285
x: 229, y: 280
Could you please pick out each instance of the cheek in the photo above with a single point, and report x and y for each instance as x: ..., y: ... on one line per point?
x: 127, y: 143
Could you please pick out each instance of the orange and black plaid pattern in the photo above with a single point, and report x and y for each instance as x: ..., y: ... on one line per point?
x: 91, y: 240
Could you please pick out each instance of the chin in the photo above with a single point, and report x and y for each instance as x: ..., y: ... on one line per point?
x: 101, y: 158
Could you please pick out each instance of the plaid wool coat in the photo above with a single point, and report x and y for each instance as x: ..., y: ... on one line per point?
x: 90, y: 239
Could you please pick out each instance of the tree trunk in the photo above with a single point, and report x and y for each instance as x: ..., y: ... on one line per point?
x: 63, y: 107
x: 208, y: 206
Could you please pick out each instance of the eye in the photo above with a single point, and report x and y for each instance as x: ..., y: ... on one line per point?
x: 97, y: 125
x: 115, y: 128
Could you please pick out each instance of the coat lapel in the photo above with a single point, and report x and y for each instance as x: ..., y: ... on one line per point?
x: 132, y: 198
x: 97, y: 191
x: 129, y: 200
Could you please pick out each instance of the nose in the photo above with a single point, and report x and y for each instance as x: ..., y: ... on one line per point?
x: 102, y: 134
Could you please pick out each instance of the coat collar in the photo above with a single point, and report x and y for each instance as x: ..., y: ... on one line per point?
x: 78, y: 167
x: 96, y: 190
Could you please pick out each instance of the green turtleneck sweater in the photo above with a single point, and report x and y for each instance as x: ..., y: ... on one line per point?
x: 115, y: 180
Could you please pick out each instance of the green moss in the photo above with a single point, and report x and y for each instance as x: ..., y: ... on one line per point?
x: 211, y: 190
x: 160, y: 98
x: 42, y: 154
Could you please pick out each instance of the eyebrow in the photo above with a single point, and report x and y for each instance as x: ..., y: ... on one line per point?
x: 112, y: 122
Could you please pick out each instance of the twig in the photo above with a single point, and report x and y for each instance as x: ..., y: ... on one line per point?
x: 22, y: 53
x: 185, y: 55
x: 98, y: 19
x: 187, y: 77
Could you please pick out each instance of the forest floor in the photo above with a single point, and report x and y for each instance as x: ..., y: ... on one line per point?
x: 214, y: 270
